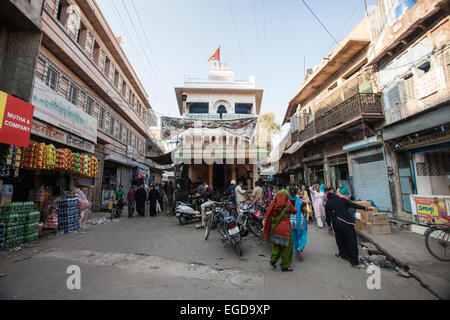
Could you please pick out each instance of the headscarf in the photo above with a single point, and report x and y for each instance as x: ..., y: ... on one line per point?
x: 344, y: 191
x: 322, y: 188
x: 278, y: 206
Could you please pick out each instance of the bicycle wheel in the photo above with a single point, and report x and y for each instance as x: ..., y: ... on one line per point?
x: 437, y: 242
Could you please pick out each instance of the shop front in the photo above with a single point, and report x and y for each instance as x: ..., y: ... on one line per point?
x: 116, y: 171
x: 338, y: 171
x: 370, y: 178
x: 314, y: 169
x: 423, y: 161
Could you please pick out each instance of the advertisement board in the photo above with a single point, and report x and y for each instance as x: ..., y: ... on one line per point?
x: 430, y: 209
x: 61, y: 113
x: 16, y: 117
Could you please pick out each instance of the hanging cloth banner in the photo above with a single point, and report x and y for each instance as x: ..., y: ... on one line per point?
x: 172, y: 127
x: 16, y: 117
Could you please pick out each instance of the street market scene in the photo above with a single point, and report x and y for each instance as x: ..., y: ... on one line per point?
x: 134, y: 167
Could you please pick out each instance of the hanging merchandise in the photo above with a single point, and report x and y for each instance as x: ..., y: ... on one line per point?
x: 93, y: 167
x: 50, y: 157
x: 85, y: 165
x: 10, y: 157
x: 21, y: 223
x: 76, y: 164
x: 64, y: 159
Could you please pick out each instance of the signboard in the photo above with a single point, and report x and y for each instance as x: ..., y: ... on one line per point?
x: 56, y: 110
x: 429, y: 83
x: 47, y: 131
x: 434, y: 137
x: 171, y: 127
x: 430, y: 209
x: 16, y: 117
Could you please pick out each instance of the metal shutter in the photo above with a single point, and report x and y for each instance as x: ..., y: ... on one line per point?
x: 370, y: 179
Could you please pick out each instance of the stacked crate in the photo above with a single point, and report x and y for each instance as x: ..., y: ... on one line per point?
x: 21, y: 224
x: 372, y: 221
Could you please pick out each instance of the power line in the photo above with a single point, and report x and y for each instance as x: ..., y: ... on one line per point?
x: 143, y: 49
x: 150, y: 48
x: 317, y: 18
x: 133, y: 43
x: 237, y: 35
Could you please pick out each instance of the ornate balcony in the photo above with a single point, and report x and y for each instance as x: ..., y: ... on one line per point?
x: 362, y: 106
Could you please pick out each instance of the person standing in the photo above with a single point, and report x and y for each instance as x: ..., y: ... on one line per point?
x: 343, y: 221
x: 153, y: 196
x: 318, y: 196
x: 269, y: 194
x: 140, y: 197
x: 277, y: 230
x: 342, y: 192
x: 306, y: 209
x: 258, y: 193
x: 240, y: 195
x: 161, y: 192
x: 209, y: 202
x: 131, y: 202
x: 299, y: 227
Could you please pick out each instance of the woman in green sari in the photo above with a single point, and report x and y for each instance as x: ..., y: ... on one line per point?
x: 342, y: 192
x: 277, y: 229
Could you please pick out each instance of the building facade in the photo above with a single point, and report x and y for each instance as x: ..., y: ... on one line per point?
x: 217, y: 99
x: 82, y: 67
x: 412, y: 61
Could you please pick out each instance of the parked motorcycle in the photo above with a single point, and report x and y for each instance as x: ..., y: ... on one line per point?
x: 187, y: 213
x: 252, y: 219
x: 220, y: 218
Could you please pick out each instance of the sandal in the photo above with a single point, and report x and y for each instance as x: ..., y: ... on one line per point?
x: 287, y: 269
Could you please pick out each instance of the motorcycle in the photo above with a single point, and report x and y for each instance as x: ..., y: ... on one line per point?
x: 219, y: 218
x: 186, y: 213
x: 252, y: 218
x: 116, y: 211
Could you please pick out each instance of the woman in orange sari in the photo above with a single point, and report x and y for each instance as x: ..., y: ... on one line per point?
x: 277, y: 229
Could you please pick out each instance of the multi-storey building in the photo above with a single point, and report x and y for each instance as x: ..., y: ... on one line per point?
x: 333, y: 119
x: 218, y: 155
x: 82, y: 68
x: 20, y: 37
x: 412, y: 60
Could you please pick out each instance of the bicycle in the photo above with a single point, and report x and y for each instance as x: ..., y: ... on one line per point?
x: 437, y: 241
x: 116, y: 211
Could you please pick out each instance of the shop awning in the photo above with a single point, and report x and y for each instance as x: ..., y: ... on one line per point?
x: 119, y: 160
x: 141, y: 166
x: 294, y: 148
x: 367, y: 143
x: 165, y: 159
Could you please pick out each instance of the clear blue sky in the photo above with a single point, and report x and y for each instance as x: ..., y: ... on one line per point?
x: 182, y: 34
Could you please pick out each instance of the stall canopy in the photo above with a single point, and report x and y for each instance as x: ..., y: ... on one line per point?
x: 165, y: 159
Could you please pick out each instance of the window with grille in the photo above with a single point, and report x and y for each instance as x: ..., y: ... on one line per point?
x: 52, y: 79
x: 89, y: 104
x: 111, y: 126
x: 73, y: 95
x: 369, y: 159
x: 101, y: 119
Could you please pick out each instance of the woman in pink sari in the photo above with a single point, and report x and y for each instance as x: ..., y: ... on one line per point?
x: 318, y: 196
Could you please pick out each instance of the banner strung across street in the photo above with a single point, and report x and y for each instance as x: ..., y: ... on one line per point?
x: 16, y: 117
x: 171, y: 127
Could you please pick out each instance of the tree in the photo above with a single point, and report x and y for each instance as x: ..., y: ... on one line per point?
x: 266, y: 127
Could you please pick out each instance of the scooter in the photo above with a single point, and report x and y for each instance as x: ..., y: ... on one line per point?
x: 187, y: 213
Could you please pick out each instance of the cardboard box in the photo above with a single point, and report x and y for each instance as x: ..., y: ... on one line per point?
x: 364, y: 203
x: 4, y: 200
x: 379, y: 218
x: 379, y: 228
x: 362, y: 226
x: 364, y: 216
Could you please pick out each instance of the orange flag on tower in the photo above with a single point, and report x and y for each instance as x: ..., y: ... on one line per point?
x: 215, y: 56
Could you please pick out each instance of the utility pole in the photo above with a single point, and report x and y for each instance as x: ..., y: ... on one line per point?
x: 365, y: 6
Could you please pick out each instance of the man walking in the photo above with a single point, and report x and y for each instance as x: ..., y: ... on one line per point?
x: 131, y: 202
x: 343, y: 223
x: 240, y: 195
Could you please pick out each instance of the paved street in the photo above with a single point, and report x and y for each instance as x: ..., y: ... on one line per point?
x: 156, y: 258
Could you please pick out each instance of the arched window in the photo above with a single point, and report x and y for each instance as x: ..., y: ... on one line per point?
x: 221, y: 110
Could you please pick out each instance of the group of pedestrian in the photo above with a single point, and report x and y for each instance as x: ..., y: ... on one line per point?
x: 286, y: 227
x: 155, y: 196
